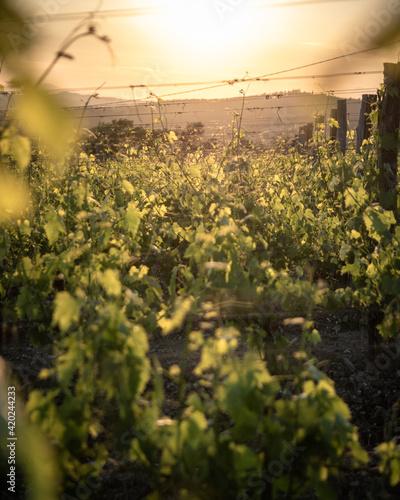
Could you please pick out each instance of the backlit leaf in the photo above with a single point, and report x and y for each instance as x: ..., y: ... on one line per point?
x: 22, y: 150
x: 54, y: 226
x: 14, y: 197
x: 128, y: 186
x: 132, y: 218
x: 42, y: 116
x: 182, y: 307
x: 378, y: 221
x: 66, y: 311
x: 109, y: 280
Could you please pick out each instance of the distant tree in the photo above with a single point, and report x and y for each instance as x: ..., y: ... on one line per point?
x: 190, y: 137
x: 124, y: 137
x: 118, y: 136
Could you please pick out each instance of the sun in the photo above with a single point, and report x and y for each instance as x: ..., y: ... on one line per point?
x: 201, y: 26
x: 215, y: 38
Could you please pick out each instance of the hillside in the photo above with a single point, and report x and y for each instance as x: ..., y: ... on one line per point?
x: 264, y: 116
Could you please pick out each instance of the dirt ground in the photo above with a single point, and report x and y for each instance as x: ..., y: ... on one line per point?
x: 371, y: 388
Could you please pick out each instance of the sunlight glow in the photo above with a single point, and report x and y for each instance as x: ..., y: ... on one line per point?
x: 199, y: 26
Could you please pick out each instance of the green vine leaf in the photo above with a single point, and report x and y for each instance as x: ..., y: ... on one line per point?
x: 66, y: 311
x: 54, y: 226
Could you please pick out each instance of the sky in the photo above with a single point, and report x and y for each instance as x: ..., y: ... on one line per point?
x: 165, y: 42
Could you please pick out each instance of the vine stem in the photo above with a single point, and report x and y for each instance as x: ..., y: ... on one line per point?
x: 240, y: 121
x: 60, y: 54
x: 72, y: 37
x: 87, y: 104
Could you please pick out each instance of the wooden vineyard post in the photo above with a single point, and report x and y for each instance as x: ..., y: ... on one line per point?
x: 333, y: 131
x: 342, y: 120
x: 320, y: 123
x: 305, y: 134
x: 318, y: 137
x: 365, y: 125
x: 309, y: 131
x: 320, y: 120
x: 388, y: 127
x: 375, y: 317
x: 98, y: 154
x: 333, y: 128
x: 389, y: 114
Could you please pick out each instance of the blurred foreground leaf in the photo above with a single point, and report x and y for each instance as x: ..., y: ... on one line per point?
x: 66, y: 310
x: 42, y: 116
x: 14, y: 196
x: 12, y: 39
x: 35, y: 458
